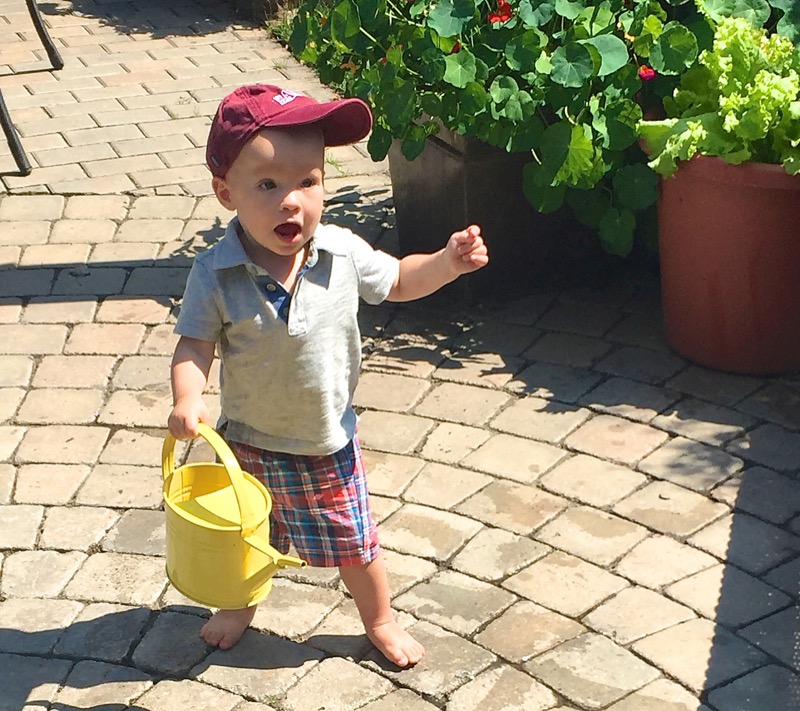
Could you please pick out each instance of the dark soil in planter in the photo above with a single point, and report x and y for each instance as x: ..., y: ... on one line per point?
x: 459, y: 181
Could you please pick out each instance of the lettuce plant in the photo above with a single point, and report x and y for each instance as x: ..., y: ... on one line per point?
x: 741, y: 102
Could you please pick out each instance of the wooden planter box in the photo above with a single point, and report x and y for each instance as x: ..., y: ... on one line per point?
x: 258, y: 10
x: 458, y: 181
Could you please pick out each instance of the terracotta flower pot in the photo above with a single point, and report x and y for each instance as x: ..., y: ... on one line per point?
x: 729, y: 244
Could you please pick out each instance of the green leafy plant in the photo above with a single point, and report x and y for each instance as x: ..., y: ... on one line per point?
x: 778, y: 16
x: 740, y: 103
x: 565, y: 80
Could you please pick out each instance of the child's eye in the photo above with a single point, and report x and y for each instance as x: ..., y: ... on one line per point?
x: 308, y: 183
x: 267, y: 184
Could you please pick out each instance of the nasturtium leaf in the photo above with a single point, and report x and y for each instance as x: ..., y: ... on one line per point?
x: 401, y: 104
x: 635, y: 186
x: 588, y: 206
x: 553, y: 150
x: 519, y: 107
x: 596, y: 19
x: 345, y: 22
x: 616, y: 231
x: 431, y: 103
x: 613, y: 53
x: 380, y: 140
x: 502, y: 88
x: 448, y: 17
x: 569, y: 8
x: 495, y: 132
x: 544, y: 197
x: 523, y: 50
x: 370, y: 13
x: 527, y: 136
x: 580, y: 167
x: 617, y: 123
x: 414, y: 142
x: 674, y: 51
x: 432, y: 67
x: 418, y: 7
x: 460, y: 68
x: 395, y: 56
x: 754, y: 11
x: 543, y: 65
x: 473, y: 98
x: 572, y: 65
x: 789, y: 25
x: 481, y: 70
x: 299, y: 39
x: 536, y: 15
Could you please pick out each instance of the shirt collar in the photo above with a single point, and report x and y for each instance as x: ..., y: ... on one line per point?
x: 230, y: 252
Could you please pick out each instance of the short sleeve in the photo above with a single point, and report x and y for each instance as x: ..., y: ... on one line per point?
x: 377, y: 271
x: 199, y: 316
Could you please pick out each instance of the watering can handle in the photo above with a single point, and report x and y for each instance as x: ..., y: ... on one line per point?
x: 250, y: 520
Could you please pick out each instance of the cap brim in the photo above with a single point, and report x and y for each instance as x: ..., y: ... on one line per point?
x: 344, y: 121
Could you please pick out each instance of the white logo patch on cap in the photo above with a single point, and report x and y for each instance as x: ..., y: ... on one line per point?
x: 285, y: 97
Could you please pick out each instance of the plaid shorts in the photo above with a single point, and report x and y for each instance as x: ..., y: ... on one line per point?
x: 319, y: 503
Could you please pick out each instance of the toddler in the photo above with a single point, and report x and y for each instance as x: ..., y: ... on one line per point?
x: 278, y: 297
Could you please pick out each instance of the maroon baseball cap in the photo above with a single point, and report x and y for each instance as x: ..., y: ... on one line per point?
x: 248, y: 109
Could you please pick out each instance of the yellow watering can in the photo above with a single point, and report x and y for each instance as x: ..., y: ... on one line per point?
x: 218, y: 550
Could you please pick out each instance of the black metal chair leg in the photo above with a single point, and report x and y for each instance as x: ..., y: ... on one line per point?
x: 20, y: 158
x: 13, y: 139
x: 44, y: 35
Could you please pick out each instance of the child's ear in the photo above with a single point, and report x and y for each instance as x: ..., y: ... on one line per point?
x: 222, y: 192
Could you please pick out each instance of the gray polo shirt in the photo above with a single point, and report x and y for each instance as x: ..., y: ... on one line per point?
x: 287, y: 387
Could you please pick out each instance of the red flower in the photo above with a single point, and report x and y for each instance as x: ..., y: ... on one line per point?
x: 504, y: 12
x: 456, y: 47
x: 647, y: 73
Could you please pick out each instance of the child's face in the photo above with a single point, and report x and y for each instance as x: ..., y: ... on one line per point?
x: 275, y: 185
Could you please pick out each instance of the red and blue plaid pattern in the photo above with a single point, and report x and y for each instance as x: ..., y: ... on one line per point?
x: 319, y: 503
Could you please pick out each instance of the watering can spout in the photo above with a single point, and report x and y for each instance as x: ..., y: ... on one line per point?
x: 278, y: 559
x: 289, y: 561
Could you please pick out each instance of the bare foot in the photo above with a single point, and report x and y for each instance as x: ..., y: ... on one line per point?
x: 226, y: 626
x: 397, y: 645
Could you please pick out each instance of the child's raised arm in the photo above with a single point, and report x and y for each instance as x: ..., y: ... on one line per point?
x: 190, y: 365
x: 422, y: 274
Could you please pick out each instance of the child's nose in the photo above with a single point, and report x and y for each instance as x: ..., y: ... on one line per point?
x: 291, y: 200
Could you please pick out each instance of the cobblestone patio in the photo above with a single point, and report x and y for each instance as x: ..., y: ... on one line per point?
x: 574, y: 517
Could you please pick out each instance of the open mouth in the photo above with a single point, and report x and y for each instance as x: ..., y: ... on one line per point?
x: 288, y: 231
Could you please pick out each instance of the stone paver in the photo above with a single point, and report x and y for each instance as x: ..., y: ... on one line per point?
x: 592, y: 481
x: 613, y: 438
x: 454, y: 601
x: 728, y: 595
x: 699, y: 653
x: 572, y: 515
x: 336, y: 683
x: 596, y: 536
x: 525, y: 630
x: 514, y: 458
x: 502, y: 688
x: 38, y: 573
x: 95, y: 684
x: 670, y: 509
x: 591, y: 671
x: 565, y: 583
x: 635, y: 613
x: 771, y: 687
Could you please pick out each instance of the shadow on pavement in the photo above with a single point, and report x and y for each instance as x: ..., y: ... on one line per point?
x: 150, y: 17
x: 133, y: 645
x: 757, y: 618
